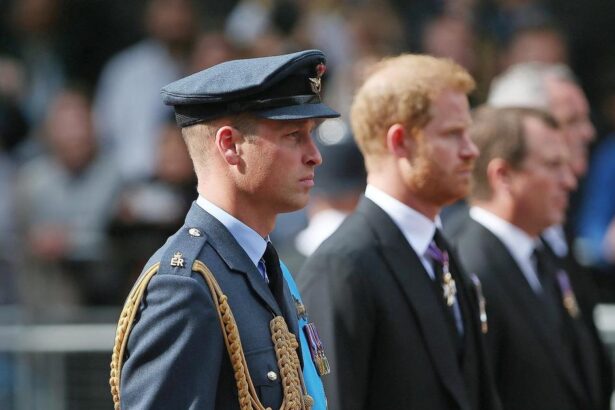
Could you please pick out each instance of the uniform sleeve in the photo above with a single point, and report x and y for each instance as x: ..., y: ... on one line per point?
x: 175, y: 349
x: 335, y: 293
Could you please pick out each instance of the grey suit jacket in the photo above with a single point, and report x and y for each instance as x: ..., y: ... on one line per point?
x: 176, y: 357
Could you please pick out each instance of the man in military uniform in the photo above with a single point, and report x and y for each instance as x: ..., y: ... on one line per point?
x: 401, y: 325
x: 211, y: 322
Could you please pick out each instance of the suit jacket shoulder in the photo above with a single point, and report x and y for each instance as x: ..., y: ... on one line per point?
x: 522, y: 338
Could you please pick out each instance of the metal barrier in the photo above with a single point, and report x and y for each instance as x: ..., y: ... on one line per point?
x: 64, y: 364
x: 56, y: 361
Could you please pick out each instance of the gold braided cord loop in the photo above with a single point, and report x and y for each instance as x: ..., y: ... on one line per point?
x: 285, y: 343
x: 124, y: 326
x: 290, y: 368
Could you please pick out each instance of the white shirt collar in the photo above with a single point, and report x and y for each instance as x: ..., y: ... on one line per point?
x: 251, y: 242
x: 416, y: 227
x: 519, y: 244
x: 556, y: 238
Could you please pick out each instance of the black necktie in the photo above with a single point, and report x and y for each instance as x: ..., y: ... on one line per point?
x: 574, y: 334
x: 274, y: 273
x: 546, y: 275
x: 438, y: 257
x: 276, y: 284
x: 438, y: 253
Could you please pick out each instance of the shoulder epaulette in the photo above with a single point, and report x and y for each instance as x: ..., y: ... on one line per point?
x: 177, y: 259
x: 182, y: 251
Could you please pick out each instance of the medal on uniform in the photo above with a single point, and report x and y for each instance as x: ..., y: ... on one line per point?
x: 449, y: 287
x: 568, y: 299
x: 301, y: 311
x: 316, y: 349
x: 481, y: 303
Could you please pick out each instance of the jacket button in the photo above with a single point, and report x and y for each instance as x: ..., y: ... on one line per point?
x: 272, y: 376
x: 194, y: 232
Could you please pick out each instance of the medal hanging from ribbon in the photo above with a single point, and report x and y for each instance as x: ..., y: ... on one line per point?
x: 482, y: 305
x: 449, y: 288
x: 316, y: 349
x: 568, y: 299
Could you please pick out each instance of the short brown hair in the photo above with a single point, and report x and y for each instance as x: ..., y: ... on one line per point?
x: 199, y: 137
x: 500, y: 133
x: 399, y: 90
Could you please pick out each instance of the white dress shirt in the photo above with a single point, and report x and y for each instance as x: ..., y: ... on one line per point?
x: 556, y: 238
x: 249, y: 240
x: 416, y: 228
x: 519, y: 244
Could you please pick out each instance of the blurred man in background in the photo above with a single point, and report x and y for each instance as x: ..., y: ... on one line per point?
x: 545, y: 351
x: 64, y: 202
x: 127, y: 103
x: 553, y: 88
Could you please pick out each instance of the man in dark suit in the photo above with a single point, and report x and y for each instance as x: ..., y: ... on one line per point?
x: 545, y: 354
x: 211, y: 323
x: 395, y: 312
x: 554, y: 88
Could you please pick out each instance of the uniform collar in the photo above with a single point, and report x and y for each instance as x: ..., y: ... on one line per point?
x: 251, y: 242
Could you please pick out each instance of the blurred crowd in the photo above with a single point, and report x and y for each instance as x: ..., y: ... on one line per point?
x: 94, y: 175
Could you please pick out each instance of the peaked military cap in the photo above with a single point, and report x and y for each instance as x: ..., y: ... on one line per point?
x: 285, y: 87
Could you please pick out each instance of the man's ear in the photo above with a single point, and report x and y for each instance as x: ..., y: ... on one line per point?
x: 227, y: 139
x: 398, y: 140
x: 499, y: 175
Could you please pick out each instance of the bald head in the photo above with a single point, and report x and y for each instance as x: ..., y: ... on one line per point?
x: 550, y: 87
x: 525, y: 85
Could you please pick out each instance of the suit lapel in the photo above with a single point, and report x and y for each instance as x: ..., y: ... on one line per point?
x: 586, y: 346
x: 417, y: 287
x: 471, y: 319
x: 232, y: 254
x: 529, y: 306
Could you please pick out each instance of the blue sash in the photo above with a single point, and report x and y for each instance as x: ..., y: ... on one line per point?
x: 313, y: 383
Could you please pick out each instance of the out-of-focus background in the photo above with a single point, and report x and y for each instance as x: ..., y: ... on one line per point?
x: 94, y: 175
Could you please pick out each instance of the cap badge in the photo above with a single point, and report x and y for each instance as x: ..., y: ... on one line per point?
x: 315, y: 83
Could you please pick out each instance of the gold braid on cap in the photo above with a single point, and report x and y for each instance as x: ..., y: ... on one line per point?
x: 285, y: 345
